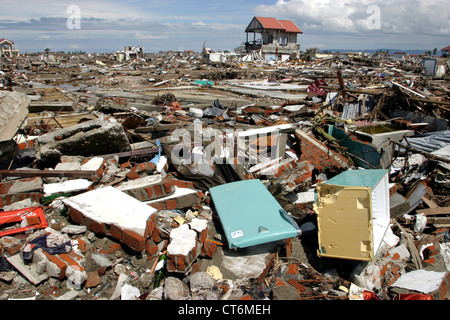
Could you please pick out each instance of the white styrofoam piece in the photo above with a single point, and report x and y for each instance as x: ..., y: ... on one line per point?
x: 66, y: 186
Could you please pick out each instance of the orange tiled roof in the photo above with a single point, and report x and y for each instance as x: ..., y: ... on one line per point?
x: 275, y: 24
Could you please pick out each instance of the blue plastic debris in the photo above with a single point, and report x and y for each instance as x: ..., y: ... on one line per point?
x: 156, y: 158
x: 250, y: 215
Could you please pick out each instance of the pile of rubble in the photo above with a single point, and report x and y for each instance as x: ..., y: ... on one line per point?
x: 108, y: 170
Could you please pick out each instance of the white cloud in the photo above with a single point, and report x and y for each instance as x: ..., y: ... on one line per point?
x: 199, y: 23
x: 100, y: 9
x: 351, y: 16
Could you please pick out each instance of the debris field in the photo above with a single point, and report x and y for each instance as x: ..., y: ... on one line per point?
x: 119, y: 178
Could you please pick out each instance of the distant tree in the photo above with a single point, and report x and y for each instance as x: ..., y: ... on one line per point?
x: 434, y: 51
x: 47, y: 50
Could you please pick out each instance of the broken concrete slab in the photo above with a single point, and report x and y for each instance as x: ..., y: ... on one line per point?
x: 424, y: 281
x: 28, y: 271
x: 244, y: 263
x: 13, y: 113
x: 108, y: 211
x: 147, y: 188
x: 181, y: 198
x: 95, y: 137
x: 21, y: 186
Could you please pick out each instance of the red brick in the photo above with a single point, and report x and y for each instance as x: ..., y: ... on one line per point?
x: 279, y: 282
x: 392, y: 281
x: 288, y: 246
x: 157, y: 190
x: 297, y: 285
x: 75, y: 255
x: 93, y: 279
x: 71, y: 262
x: 133, y: 240
x: 149, y: 191
x: 82, y: 245
x: 150, y: 226
x: 203, y: 235
x: 114, y: 247
x: 56, y: 260
x: 266, y: 270
x: 395, y: 270
x: 431, y: 260
x: 132, y: 175
x: 292, y: 269
x: 150, y: 247
x: 195, y: 268
x: 171, y: 204
x: 76, y: 215
x: 96, y: 227
x: 158, y: 235
x: 168, y: 187
x: 180, y: 262
x: 115, y: 232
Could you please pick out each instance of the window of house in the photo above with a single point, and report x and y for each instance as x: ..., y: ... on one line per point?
x: 283, y: 41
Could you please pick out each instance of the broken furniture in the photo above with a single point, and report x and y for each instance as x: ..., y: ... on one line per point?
x: 353, y: 214
x: 250, y: 215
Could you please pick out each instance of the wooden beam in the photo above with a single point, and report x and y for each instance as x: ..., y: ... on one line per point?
x: 438, y: 220
x: 435, y: 211
x: 430, y: 203
x: 48, y: 173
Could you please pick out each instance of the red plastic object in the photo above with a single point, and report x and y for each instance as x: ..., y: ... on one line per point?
x: 35, y: 219
x: 413, y: 296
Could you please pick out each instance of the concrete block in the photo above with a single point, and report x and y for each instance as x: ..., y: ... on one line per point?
x: 180, y: 199
x: 109, y: 211
x: 147, y: 188
x: 66, y: 166
x: 398, y: 205
x: 95, y: 137
x: 21, y: 186
x: 7, y: 200
x: 28, y: 271
x: 182, y: 249
x: 13, y: 113
x: 425, y: 281
x: 175, y: 289
x: 201, y: 227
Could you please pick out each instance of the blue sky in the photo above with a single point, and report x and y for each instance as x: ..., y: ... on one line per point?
x: 109, y: 25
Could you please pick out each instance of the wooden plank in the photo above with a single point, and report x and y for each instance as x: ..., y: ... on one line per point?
x: 438, y: 220
x: 435, y: 211
x: 430, y: 203
x: 48, y: 173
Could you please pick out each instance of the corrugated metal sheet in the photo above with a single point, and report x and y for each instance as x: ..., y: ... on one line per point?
x: 431, y: 141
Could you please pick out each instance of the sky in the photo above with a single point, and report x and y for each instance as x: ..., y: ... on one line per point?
x: 106, y: 26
